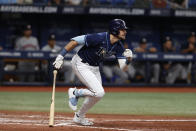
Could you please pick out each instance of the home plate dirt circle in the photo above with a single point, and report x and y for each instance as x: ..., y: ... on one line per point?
x: 38, y: 121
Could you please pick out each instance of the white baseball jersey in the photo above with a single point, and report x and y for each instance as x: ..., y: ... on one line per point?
x: 27, y: 44
x: 54, y: 49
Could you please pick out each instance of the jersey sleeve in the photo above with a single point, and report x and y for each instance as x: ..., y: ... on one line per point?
x: 80, y: 39
x: 89, y: 39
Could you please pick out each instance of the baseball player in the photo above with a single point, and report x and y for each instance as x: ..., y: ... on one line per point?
x: 27, y: 43
x: 86, y: 62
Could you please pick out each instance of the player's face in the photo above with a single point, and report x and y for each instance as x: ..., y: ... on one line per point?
x: 122, y: 34
x: 52, y: 43
x: 27, y: 33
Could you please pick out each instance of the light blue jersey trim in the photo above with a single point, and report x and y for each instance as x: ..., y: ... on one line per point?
x: 80, y: 39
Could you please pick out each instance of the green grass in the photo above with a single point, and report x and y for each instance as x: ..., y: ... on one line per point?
x: 180, y: 104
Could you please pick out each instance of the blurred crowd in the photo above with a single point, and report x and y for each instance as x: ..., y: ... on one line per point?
x: 154, y: 72
x: 36, y: 70
x: 176, y: 4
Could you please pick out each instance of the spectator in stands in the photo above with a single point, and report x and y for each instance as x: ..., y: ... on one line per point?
x: 51, y: 46
x: 1, y: 48
x: 142, y: 4
x: 112, y: 73
x: 66, y: 69
x: 178, y: 4
x: 140, y: 66
x: 27, y: 43
x: 110, y: 70
x: 16, y: 1
x: 56, y: 2
x: 189, y: 48
x: 25, y: 1
x: 78, y: 2
x: 159, y: 4
x: 8, y: 1
x: 171, y: 71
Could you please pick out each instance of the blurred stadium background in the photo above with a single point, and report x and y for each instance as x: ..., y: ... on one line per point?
x: 161, y: 35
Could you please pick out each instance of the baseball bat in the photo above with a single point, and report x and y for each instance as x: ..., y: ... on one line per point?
x: 52, y: 106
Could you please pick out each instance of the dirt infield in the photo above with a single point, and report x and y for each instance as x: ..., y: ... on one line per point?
x: 38, y: 121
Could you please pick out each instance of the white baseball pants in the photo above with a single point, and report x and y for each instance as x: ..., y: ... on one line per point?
x: 90, y: 77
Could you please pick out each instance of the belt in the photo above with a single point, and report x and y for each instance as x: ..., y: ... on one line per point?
x: 83, y: 61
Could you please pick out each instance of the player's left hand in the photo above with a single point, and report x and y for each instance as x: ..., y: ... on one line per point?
x: 128, y: 53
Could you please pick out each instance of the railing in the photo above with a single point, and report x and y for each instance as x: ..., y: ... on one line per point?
x: 41, y: 56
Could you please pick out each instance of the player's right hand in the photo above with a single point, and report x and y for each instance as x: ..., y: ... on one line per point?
x: 58, y: 62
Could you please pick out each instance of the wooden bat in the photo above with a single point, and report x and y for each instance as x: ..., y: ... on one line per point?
x: 52, y: 106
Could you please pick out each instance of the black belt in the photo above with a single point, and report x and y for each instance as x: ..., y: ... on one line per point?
x: 83, y: 61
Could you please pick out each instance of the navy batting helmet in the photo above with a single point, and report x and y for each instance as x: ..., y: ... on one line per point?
x: 116, y: 25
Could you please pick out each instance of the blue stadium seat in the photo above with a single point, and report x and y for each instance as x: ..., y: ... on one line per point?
x: 122, y: 2
x: 103, y: 2
x: 8, y: 1
x: 191, y: 3
x: 131, y: 2
x: 119, y: 2
x: 38, y: 2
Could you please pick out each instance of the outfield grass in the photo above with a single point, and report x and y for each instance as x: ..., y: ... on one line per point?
x: 180, y: 104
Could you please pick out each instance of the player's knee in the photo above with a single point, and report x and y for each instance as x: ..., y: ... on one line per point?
x: 100, y: 94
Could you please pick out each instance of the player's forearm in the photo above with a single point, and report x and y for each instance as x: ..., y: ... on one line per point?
x: 71, y: 45
x: 59, y: 59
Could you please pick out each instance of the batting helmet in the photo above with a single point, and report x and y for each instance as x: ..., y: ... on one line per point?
x: 116, y: 25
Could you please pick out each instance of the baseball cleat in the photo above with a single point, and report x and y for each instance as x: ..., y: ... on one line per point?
x: 73, y: 100
x: 82, y: 120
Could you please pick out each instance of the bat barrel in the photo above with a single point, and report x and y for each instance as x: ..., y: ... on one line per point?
x: 52, y: 106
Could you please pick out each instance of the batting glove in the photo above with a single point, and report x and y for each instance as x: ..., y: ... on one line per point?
x: 58, y: 62
x: 128, y: 53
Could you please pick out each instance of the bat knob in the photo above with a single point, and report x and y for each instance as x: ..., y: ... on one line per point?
x: 55, y: 72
